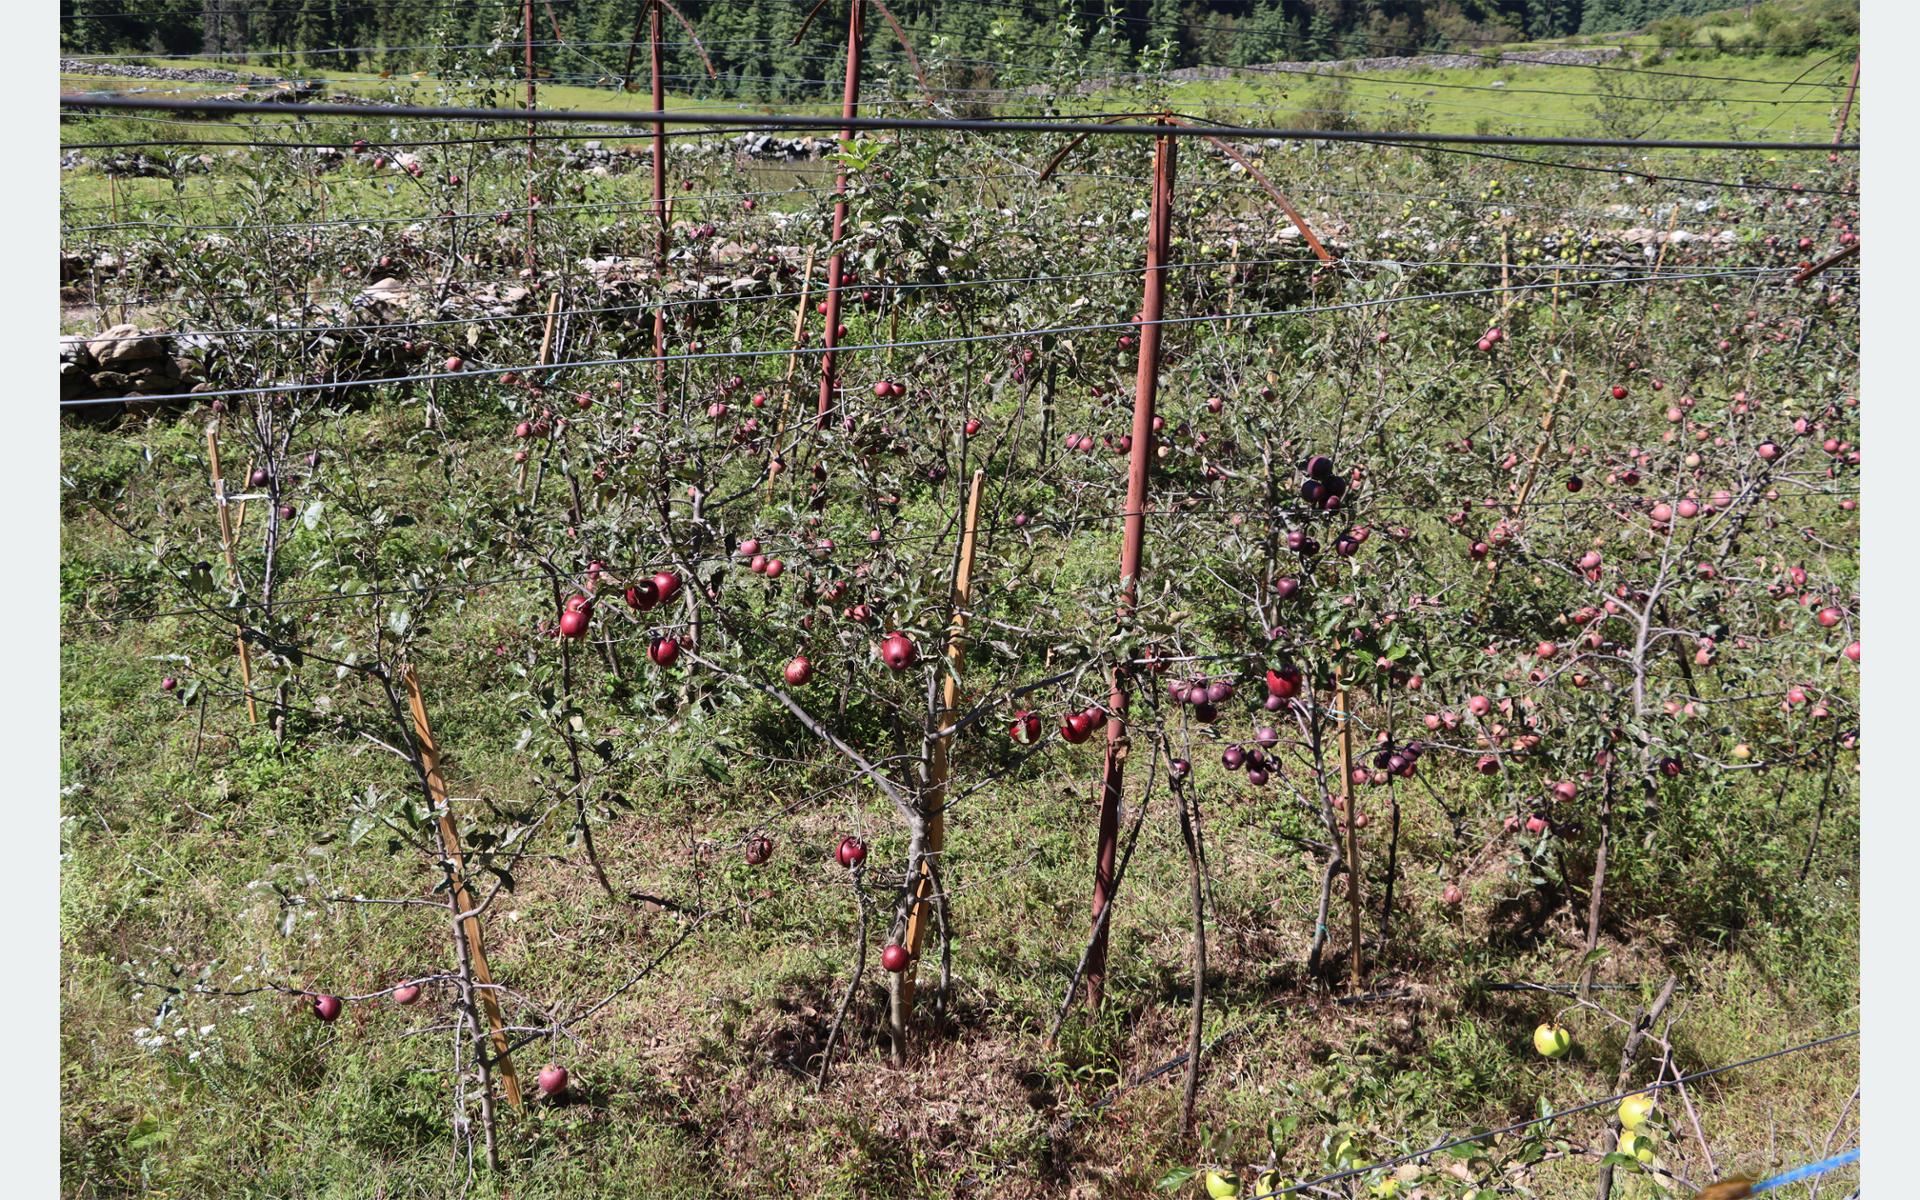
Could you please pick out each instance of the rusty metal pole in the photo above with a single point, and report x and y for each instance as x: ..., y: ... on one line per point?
x: 533, y: 262
x: 1350, y: 803
x: 662, y: 235
x: 850, y: 108
x: 1146, y: 384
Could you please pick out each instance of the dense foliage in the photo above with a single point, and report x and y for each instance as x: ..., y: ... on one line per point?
x: 750, y: 39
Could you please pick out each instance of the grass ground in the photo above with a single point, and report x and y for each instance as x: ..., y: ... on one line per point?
x: 175, y: 836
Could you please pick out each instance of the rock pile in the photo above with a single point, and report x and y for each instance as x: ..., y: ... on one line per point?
x: 124, y: 361
x: 125, y: 70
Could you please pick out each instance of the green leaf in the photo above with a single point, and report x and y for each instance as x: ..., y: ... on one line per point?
x: 146, y: 1133
x: 1175, y: 1179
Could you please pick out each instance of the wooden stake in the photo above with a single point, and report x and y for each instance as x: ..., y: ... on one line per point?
x: 546, y: 347
x: 850, y: 108
x: 546, y: 337
x: 1533, y: 466
x: 1846, y: 106
x: 233, y: 565
x: 936, y: 794
x: 533, y: 262
x: 1353, y: 842
x: 1659, y: 258
x: 793, y: 363
x: 240, y: 509
x: 663, y: 232
x: 1506, y: 272
x: 113, y: 205
x: 450, y: 846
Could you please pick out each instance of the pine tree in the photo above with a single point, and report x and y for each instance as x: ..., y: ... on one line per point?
x: 1323, y: 31
x: 1266, y: 35
x: 1164, y: 27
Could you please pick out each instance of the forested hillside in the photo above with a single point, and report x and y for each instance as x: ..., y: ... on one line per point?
x: 753, y: 37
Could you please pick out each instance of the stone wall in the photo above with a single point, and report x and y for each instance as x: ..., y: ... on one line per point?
x: 124, y: 361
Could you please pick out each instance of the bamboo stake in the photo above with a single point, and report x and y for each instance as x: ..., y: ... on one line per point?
x: 533, y: 262
x: 850, y: 108
x: 936, y: 794
x: 113, y: 204
x: 663, y: 233
x: 546, y: 337
x: 793, y: 363
x: 233, y: 565
x: 450, y: 846
x: 1506, y: 272
x: 1846, y: 107
x: 1659, y: 259
x: 1533, y: 466
x: 240, y: 509
x: 546, y: 348
x: 1353, y: 842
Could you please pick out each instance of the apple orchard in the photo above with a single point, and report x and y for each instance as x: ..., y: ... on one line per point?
x: 1446, y: 571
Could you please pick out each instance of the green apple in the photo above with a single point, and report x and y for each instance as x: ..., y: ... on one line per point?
x: 1635, y: 1110
x: 1223, y: 1185
x: 1269, y: 1185
x: 1636, y: 1145
x: 1552, y: 1040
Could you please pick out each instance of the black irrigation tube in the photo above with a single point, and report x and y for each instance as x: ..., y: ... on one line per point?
x: 947, y: 124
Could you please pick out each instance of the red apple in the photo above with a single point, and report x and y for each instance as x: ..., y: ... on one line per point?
x: 798, y: 671
x: 553, y: 1080
x: 897, y: 651
x: 893, y: 957
x: 326, y: 1007
x: 664, y: 651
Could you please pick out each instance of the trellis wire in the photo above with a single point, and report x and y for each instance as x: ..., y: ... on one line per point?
x: 921, y: 343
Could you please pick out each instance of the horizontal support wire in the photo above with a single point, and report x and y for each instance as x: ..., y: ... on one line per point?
x: 919, y: 343
x: 944, y: 124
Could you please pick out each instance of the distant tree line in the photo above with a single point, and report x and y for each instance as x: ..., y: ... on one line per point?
x: 985, y: 43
